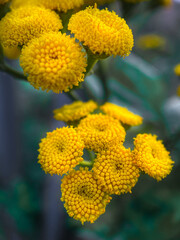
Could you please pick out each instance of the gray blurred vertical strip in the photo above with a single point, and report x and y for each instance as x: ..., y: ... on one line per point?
x: 9, y: 147
x: 8, y: 130
x: 53, y: 212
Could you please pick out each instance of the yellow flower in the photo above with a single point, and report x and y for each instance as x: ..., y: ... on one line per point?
x: 60, y: 151
x: 115, y: 170
x: 177, y: 69
x: 12, y: 52
x: 53, y: 62
x: 60, y: 5
x: 100, y: 131
x: 151, y: 156
x: 21, y: 25
x: 178, y: 91
x: 151, y: 41
x: 102, y: 31
x: 98, y: 2
x: 122, y: 114
x: 3, y: 1
x: 74, y: 111
x: 84, y: 198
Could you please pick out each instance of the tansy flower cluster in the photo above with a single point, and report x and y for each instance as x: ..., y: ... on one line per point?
x: 53, y: 60
x: 90, y: 182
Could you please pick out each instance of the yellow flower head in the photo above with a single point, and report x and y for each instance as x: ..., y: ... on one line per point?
x: 100, y: 131
x: 74, y: 111
x: 21, y: 25
x: 53, y: 62
x: 98, y: 2
x: 151, y: 156
x: 102, y: 31
x: 177, y: 69
x: 60, y: 5
x: 84, y: 198
x: 3, y: 1
x: 12, y: 52
x: 115, y: 170
x: 60, y: 151
x: 151, y: 41
x: 122, y: 114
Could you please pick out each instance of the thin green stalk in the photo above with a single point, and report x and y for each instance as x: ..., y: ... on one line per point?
x: 72, y: 96
x: 13, y: 72
x: 86, y: 163
x: 91, y: 61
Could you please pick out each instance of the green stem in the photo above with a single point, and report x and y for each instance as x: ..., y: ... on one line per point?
x: 65, y: 19
x: 86, y: 163
x: 13, y: 72
x: 91, y: 61
x: 72, y: 96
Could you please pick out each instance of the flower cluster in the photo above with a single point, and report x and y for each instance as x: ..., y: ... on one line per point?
x: 113, y: 169
x: 55, y: 61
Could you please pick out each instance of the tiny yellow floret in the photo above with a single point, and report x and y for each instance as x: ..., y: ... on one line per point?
x: 60, y: 5
x: 115, y: 171
x: 151, y: 156
x: 21, y: 25
x: 100, y: 131
x: 54, y: 62
x: 84, y: 198
x: 122, y: 114
x: 102, y: 31
x: 74, y: 111
x: 60, y: 151
x: 177, y: 69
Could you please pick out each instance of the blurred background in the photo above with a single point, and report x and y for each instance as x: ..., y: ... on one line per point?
x: 30, y: 206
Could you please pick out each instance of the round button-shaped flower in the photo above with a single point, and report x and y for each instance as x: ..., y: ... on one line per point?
x: 21, y: 25
x: 100, y: 131
x: 115, y: 171
x: 60, y: 5
x: 151, y: 156
x: 102, y: 31
x: 122, y: 114
x: 60, y: 151
x: 84, y: 198
x: 74, y: 111
x: 54, y: 62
